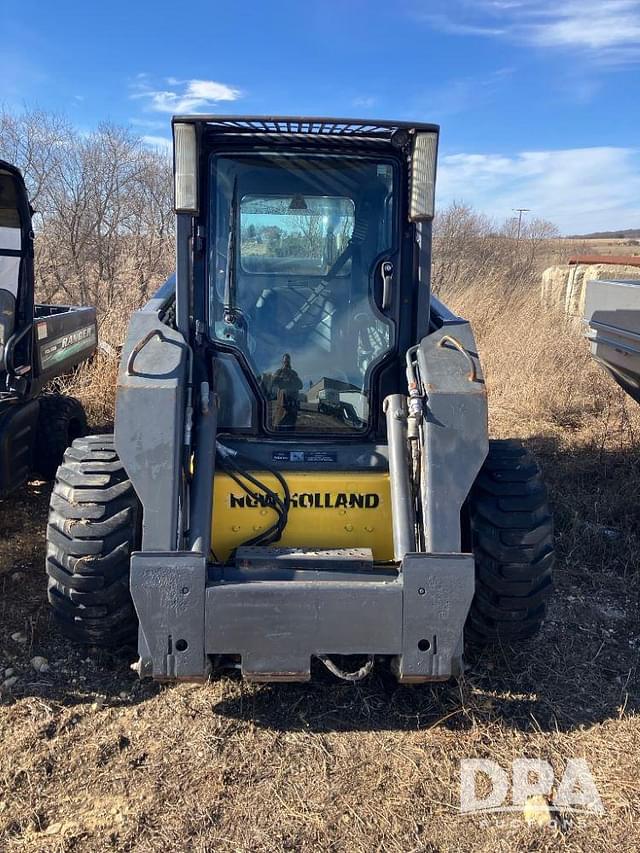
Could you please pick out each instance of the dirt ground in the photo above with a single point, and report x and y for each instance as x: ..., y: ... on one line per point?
x: 93, y: 760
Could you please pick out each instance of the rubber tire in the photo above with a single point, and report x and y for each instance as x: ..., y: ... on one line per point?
x: 94, y: 524
x: 512, y: 540
x: 61, y: 420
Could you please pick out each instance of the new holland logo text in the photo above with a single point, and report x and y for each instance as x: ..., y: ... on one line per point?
x: 313, y: 500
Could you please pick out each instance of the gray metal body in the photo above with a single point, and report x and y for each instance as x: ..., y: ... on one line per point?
x: 612, y: 326
x: 276, y: 619
x: 275, y: 609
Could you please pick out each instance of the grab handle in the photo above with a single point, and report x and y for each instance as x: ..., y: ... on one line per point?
x: 473, y: 372
x: 386, y: 271
x: 135, y: 352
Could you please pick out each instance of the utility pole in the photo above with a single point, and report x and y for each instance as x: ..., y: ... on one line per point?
x: 520, y: 211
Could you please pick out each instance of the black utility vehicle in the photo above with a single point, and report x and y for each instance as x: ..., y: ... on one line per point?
x: 37, y: 343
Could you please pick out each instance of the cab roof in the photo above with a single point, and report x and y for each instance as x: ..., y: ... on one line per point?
x: 313, y: 126
x: 5, y: 166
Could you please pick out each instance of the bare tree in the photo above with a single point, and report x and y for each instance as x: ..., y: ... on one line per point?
x: 469, y: 247
x: 36, y: 141
x: 104, y: 227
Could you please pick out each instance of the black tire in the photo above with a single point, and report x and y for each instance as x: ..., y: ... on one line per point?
x: 61, y: 420
x: 511, y: 532
x: 94, y: 525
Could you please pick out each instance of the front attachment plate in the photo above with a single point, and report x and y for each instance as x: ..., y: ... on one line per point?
x: 276, y: 618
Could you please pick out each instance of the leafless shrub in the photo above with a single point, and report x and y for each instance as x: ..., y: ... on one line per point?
x: 469, y: 248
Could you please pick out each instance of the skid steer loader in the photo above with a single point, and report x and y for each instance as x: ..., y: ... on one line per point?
x: 301, y: 467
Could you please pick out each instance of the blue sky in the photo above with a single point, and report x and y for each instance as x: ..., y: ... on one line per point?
x: 538, y: 100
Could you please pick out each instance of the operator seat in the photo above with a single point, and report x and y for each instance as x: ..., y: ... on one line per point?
x: 286, y: 321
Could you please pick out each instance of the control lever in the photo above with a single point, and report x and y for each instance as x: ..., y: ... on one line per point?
x: 386, y: 270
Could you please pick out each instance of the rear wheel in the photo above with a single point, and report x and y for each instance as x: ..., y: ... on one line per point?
x: 94, y: 525
x: 512, y: 539
x: 61, y: 420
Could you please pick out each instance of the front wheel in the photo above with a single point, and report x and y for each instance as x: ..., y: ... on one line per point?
x: 512, y: 540
x: 94, y: 524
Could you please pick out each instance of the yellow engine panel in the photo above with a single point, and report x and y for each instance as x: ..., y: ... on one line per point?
x: 329, y: 509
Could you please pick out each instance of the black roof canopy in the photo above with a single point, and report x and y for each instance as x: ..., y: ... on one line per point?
x: 5, y: 166
x: 308, y: 126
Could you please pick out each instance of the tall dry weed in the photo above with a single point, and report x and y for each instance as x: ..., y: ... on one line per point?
x: 94, y: 382
x: 539, y: 372
x: 545, y: 388
x: 537, y: 364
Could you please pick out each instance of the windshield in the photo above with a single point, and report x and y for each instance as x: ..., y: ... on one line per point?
x: 296, y: 250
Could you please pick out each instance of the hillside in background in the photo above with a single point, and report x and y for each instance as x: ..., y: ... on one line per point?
x: 625, y: 234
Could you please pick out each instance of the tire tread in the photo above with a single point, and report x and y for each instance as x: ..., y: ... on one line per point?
x: 512, y: 538
x: 94, y: 525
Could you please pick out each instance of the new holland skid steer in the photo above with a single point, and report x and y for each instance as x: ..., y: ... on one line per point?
x: 37, y: 343
x: 301, y: 467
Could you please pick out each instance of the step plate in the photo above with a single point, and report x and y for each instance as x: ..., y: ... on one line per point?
x: 334, y: 559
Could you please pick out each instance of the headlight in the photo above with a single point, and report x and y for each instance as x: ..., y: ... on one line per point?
x: 423, y: 176
x: 185, y: 168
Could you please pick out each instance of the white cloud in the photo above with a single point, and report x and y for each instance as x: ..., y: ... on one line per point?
x: 160, y: 143
x: 580, y: 189
x: 461, y: 94
x: 150, y: 123
x: 209, y: 90
x: 447, y: 23
x: 589, y: 24
x: 608, y: 30
x: 184, y: 96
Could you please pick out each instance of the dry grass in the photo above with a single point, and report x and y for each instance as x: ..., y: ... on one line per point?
x: 92, y: 760
x: 94, y: 382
